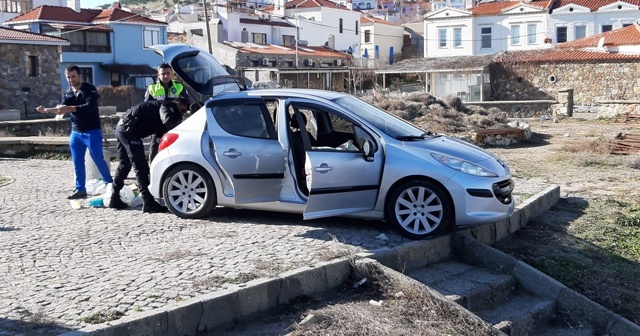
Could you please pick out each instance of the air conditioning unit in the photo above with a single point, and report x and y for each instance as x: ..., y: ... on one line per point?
x: 337, y: 62
x: 264, y: 61
x: 309, y: 63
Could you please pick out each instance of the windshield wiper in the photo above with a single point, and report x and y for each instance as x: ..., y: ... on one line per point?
x: 414, y: 137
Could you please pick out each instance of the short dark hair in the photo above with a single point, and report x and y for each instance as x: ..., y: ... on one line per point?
x: 164, y: 65
x: 182, y: 101
x: 72, y: 67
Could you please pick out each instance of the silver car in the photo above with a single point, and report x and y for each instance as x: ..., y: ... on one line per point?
x: 320, y: 154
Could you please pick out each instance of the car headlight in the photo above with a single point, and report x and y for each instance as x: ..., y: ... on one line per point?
x: 463, y: 166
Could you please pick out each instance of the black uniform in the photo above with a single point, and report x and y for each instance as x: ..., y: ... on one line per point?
x: 140, y: 121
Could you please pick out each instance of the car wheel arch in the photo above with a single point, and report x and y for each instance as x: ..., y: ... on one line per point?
x: 405, y: 179
x: 178, y: 163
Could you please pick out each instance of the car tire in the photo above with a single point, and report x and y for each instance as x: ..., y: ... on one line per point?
x: 189, y: 191
x: 419, y: 209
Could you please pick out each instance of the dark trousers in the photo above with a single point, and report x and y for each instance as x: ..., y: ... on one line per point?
x: 131, y: 152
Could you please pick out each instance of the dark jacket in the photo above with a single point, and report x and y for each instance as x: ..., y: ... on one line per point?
x: 151, y: 117
x: 86, y: 117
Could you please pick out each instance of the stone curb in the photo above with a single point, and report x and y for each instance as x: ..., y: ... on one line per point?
x: 216, y: 310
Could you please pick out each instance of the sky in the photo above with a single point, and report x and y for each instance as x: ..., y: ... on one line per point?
x: 94, y: 3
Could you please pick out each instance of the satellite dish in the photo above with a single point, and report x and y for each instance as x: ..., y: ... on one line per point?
x: 601, y: 42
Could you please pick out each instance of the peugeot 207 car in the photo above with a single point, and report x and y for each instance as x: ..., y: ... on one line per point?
x: 320, y: 154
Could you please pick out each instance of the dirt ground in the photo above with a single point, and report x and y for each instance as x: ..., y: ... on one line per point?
x: 590, y: 240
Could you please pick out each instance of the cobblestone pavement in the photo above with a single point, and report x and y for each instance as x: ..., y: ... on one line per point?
x: 60, y: 267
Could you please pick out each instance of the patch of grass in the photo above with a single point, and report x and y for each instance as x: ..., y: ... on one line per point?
x: 599, y: 145
x: 3, y: 180
x: 5, y: 134
x: 242, y: 278
x: 214, y: 281
x: 102, y: 317
x: 40, y: 155
x: 336, y: 250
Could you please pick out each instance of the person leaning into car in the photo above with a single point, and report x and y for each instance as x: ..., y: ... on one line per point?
x: 150, y: 117
x: 164, y: 88
x: 80, y: 100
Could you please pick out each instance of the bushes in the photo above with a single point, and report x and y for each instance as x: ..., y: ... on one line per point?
x: 122, y: 97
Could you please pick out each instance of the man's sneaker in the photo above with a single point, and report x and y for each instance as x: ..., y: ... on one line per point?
x: 117, y: 203
x: 153, y: 207
x: 77, y: 194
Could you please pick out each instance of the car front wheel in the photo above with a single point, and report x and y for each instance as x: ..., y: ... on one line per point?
x: 419, y: 209
x: 189, y: 191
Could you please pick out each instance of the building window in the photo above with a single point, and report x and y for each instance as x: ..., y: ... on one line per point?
x: 561, y: 34
x: 87, y: 41
x: 532, y: 34
x: 367, y: 36
x: 87, y: 75
x: 33, y: 66
x: 288, y: 40
x: 151, y: 37
x: 486, y: 38
x: 15, y: 6
x: 515, y: 35
x: 259, y: 38
x: 357, y: 27
x: 442, y: 38
x: 340, y: 26
x: 580, y: 32
x: 457, y: 37
x: 606, y: 28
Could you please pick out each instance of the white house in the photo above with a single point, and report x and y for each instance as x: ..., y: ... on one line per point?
x: 12, y: 8
x: 380, y: 40
x: 572, y: 20
x: 521, y: 25
x: 460, y: 4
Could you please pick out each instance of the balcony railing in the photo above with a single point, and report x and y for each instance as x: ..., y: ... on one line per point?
x: 87, y: 48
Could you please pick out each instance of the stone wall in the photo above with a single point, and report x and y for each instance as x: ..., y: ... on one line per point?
x: 49, y: 127
x: 518, y: 109
x: 591, y: 82
x: 43, y: 89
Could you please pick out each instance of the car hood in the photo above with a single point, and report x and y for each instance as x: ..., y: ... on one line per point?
x: 457, y: 148
x: 197, y: 68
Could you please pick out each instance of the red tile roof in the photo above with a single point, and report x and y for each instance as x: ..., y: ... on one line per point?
x: 56, y: 13
x: 313, y: 4
x: 371, y: 19
x: 555, y: 55
x: 592, y: 4
x: 66, y: 14
x: 496, y: 8
x: 629, y: 35
x: 115, y: 14
x: 9, y: 34
x: 318, y: 51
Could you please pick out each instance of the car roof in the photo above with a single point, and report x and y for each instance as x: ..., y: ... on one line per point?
x: 300, y: 93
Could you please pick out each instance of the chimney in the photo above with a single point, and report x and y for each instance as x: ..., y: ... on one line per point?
x: 331, y: 42
x: 244, y: 35
x: 278, y: 8
x: 350, y: 4
x: 74, y: 4
x: 116, y: 5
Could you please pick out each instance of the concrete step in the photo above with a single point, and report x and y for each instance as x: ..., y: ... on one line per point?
x: 581, y: 330
x: 520, y: 316
x: 472, y: 287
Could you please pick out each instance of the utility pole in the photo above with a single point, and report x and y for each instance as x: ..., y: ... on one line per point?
x: 206, y: 22
x: 297, y: 35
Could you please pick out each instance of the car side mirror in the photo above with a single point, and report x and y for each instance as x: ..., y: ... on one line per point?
x: 368, y: 150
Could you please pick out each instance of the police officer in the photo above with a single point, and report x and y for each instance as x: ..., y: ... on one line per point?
x: 165, y: 88
x: 150, y: 117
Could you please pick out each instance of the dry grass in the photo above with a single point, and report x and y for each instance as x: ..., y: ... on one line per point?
x: 337, y: 250
x: 5, y: 134
x: 389, y: 304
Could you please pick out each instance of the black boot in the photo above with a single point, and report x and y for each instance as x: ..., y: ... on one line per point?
x: 149, y: 204
x: 153, y: 207
x: 116, y: 202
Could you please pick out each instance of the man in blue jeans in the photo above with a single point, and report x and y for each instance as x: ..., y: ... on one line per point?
x: 81, y: 101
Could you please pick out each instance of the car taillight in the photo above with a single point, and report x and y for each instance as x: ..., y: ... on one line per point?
x: 167, y: 140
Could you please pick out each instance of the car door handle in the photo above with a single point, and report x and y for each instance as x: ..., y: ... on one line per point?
x: 232, y: 153
x: 323, y: 168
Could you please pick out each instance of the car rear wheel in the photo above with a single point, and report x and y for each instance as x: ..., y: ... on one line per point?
x: 419, y: 209
x: 189, y: 191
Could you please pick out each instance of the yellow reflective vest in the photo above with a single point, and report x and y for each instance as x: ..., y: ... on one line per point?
x: 156, y: 91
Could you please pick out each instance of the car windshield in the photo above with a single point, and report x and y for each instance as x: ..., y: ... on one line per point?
x: 386, y: 122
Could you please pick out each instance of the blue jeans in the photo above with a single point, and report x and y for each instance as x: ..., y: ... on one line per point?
x: 79, y: 142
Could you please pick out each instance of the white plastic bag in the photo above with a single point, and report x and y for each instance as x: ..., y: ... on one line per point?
x: 95, y: 187
x: 126, y: 195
